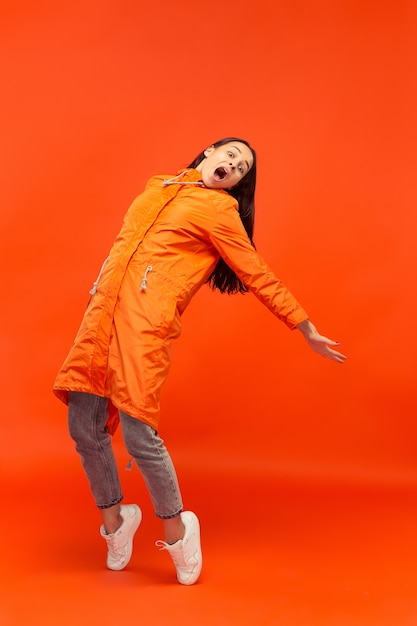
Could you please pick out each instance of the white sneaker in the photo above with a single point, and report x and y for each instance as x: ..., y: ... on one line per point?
x: 186, y: 553
x: 120, y: 543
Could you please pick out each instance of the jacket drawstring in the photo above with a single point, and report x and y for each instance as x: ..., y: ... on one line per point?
x: 94, y: 289
x: 145, y: 278
x: 174, y: 181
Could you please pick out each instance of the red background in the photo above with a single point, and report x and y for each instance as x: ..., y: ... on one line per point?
x: 271, y: 441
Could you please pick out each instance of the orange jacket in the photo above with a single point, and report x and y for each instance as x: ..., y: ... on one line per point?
x: 171, y: 239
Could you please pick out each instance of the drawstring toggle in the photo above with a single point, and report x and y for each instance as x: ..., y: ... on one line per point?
x: 145, y: 278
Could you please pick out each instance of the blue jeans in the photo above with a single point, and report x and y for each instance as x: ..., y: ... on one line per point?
x: 87, y: 417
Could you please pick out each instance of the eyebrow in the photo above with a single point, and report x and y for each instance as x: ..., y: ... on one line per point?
x: 236, y: 148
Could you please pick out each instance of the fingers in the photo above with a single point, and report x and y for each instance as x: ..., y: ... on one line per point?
x: 336, y: 356
x: 329, y: 342
x: 332, y: 354
x: 321, y: 345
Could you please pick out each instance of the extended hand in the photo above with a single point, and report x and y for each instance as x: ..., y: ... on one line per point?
x: 320, y: 344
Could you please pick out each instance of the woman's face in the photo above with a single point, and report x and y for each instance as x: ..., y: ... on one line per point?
x: 225, y: 166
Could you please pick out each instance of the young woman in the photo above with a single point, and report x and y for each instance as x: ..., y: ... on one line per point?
x: 181, y: 232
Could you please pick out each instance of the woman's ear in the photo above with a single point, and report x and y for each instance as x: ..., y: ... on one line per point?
x: 208, y: 151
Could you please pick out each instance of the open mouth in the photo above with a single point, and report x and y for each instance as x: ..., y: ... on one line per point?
x: 220, y: 173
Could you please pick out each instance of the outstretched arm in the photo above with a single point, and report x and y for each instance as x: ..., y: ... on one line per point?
x: 320, y: 344
x: 231, y: 240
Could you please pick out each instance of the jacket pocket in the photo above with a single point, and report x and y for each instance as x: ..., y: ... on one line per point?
x: 158, y: 296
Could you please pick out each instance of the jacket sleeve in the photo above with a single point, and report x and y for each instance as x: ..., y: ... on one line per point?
x: 229, y: 237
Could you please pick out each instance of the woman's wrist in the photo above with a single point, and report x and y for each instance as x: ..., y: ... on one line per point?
x: 306, y: 327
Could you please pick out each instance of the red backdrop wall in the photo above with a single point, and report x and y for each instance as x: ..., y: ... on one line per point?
x: 99, y: 96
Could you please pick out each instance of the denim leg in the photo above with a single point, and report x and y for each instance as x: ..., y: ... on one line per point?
x: 154, y: 462
x: 87, y: 417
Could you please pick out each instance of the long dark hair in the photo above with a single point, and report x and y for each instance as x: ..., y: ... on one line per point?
x: 223, y: 278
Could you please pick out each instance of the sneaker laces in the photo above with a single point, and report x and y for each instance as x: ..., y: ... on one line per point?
x: 113, y: 544
x: 163, y: 545
x: 181, y: 560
